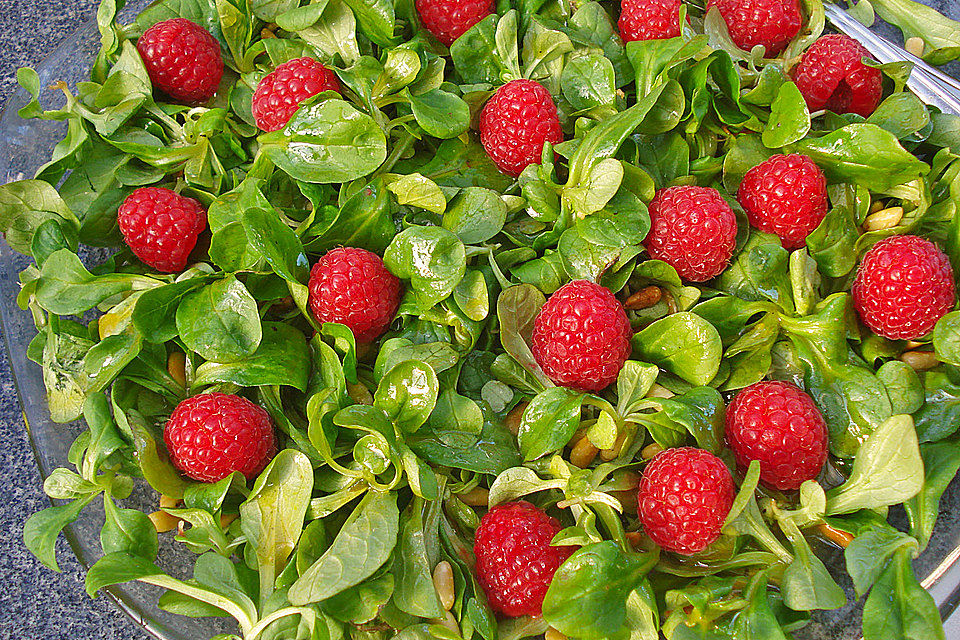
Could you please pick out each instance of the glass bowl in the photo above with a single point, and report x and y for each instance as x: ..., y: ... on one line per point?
x: 24, y: 146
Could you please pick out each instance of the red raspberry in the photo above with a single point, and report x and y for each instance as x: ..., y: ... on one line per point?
x: 904, y: 285
x: 515, y: 123
x: 353, y: 287
x: 447, y: 20
x: 182, y: 59
x: 778, y: 424
x: 685, y: 495
x: 772, y: 23
x: 279, y: 94
x: 161, y: 227
x: 515, y: 562
x: 581, y: 337
x: 693, y: 229
x: 786, y: 196
x: 211, y: 435
x: 831, y: 75
x: 649, y: 19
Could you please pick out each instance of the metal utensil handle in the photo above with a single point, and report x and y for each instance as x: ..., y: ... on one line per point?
x: 930, y: 84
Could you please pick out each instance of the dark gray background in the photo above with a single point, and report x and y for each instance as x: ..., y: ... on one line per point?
x: 35, y: 603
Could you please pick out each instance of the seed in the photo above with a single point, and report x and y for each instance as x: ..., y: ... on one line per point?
x: 450, y: 623
x: 650, y: 451
x: 476, y: 497
x: 920, y: 360
x: 443, y: 583
x: 837, y: 536
x: 671, y: 303
x: 915, y: 45
x: 613, y: 452
x: 166, y: 502
x: 553, y: 634
x: 644, y: 299
x: 177, y: 367
x: 512, y: 421
x: 583, y: 453
x: 634, y: 538
x: 883, y: 219
x: 163, y: 521
x: 877, y: 205
x: 659, y: 391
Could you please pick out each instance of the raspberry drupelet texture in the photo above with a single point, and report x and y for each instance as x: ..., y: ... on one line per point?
x: 649, y: 19
x: 685, y: 495
x: 778, y: 424
x: 831, y: 75
x: 161, y: 227
x: 211, y: 435
x: 693, y: 229
x: 904, y: 285
x: 279, y: 94
x: 581, y: 337
x: 515, y: 562
x: 447, y: 20
x: 515, y: 123
x: 182, y: 59
x: 772, y: 23
x: 353, y: 287
x: 786, y: 196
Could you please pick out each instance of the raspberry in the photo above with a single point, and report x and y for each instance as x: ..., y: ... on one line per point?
x: 904, y: 285
x: 693, y: 229
x: 772, y: 23
x: 778, y: 424
x: 515, y: 123
x: 685, y: 495
x: 353, y: 287
x: 581, y: 337
x: 515, y: 562
x: 161, y: 227
x: 447, y: 20
x: 214, y: 434
x: 649, y: 19
x: 279, y: 94
x: 831, y: 75
x: 182, y: 59
x: 787, y: 196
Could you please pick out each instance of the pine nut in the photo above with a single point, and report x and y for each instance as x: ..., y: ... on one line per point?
x: 671, y: 303
x: 877, y: 205
x: 166, y: 502
x: 613, y: 452
x: 553, y: 634
x: 476, y: 497
x: 644, y: 299
x: 177, y: 367
x: 163, y: 521
x: 450, y: 623
x: 920, y: 360
x: 634, y: 538
x: 883, y: 219
x: 837, y: 536
x: 583, y: 453
x: 650, y: 451
x: 443, y: 583
x: 915, y: 45
x: 512, y: 421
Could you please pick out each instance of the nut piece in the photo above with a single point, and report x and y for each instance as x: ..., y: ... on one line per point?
x: 837, y: 536
x: 650, y: 451
x: 553, y: 634
x: 583, y: 453
x: 883, y: 219
x: 166, y: 502
x: 614, y: 452
x: 915, y: 45
x: 476, y: 497
x: 443, y: 583
x: 643, y: 299
x: 177, y: 367
x: 163, y: 521
x: 512, y: 421
x: 920, y: 360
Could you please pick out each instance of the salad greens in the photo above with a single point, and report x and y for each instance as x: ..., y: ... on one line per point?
x: 390, y: 453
